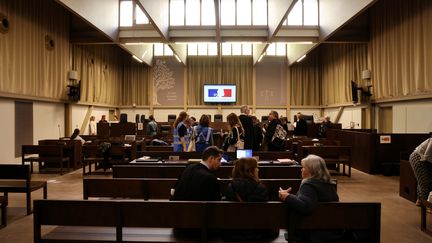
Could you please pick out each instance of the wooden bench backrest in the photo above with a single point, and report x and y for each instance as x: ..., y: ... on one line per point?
x: 160, y: 188
x: 15, y: 171
x: 29, y: 149
x: 92, y: 151
x: 328, y: 151
x: 167, y: 171
x: 205, y: 215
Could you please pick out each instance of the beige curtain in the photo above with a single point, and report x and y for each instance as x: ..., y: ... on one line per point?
x: 341, y: 63
x: 200, y: 71
x: 27, y: 67
x: 136, y: 83
x: 400, y: 47
x: 239, y: 71
x: 100, y: 69
x: 305, y: 82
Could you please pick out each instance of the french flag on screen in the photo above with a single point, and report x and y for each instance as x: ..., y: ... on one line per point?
x: 227, y: 93
x: 212, y: 92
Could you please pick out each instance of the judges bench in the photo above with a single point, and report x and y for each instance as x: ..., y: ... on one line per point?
x: 121, y: 216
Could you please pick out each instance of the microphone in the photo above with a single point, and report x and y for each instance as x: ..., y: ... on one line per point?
x: 58, y: 125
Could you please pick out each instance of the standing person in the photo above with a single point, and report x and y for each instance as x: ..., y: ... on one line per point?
x: 181, y: 135
x: 421, y: 163
x: 257, y: 133
x: 301, y: 126
x: 203, y: 134
x: 92, y: 126
x: 270, y: 131
x: 234, y: 139
x: 152, y: 126
x: 103, y: 119
x: 247, y: 125
x: 198, y: 182
x: 316, y: 187
x: 324, y: 126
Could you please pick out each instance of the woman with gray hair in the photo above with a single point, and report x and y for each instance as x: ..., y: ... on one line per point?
x: 315, y: 187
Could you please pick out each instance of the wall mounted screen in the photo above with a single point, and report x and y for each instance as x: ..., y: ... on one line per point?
x: 220, y: 93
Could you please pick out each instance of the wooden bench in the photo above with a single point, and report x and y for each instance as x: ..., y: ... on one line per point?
x: 17, y: 179
x: 332, y: 155
x: 152, y: 188
x: 91, y: 155
x: 169, y: 171
x: 263, y: 155
x: 46, y: 154
x: 3, y: 205
x: 120, y: 216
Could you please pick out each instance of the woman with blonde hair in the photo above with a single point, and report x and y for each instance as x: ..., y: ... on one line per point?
x: 181, y: 135
x: 234, y: 140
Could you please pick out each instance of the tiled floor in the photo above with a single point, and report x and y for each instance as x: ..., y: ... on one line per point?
x: 400, y: 219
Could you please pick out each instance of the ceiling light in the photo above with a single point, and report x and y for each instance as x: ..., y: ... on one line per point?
x: 136, y: 58
x: 301, y: 58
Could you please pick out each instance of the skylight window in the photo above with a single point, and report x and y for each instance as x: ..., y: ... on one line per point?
x: 126, y: 13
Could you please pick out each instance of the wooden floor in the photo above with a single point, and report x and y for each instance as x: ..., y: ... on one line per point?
x: 400, y: 219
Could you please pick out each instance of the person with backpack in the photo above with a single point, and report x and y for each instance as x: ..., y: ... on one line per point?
x: 270, y: 132
x: 203, y: 134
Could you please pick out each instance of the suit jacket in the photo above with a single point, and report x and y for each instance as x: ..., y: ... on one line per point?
x: 246, y: 122
x: 197, y: 183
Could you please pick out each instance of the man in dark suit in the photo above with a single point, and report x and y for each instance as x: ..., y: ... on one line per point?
x: 301, y: 126
x: 246, y: 121
x: 198, y: 182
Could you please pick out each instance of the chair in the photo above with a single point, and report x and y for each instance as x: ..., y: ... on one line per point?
x: 264, y: 119
x: 118, y: 155
x: 172, y: 118
x: 218, y: 118
x: 123, y: 118
x: 92, y: 155
x: 137, y: 118
x: 143, y: 119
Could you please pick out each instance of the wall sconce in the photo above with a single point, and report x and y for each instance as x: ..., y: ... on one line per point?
x: 366, y: 76
x: 74, y: 86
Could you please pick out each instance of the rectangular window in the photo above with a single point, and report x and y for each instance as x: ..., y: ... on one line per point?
x: 247, y: 49
x: 236, y: 49
x: 280, y: 49
x: 140, y: 17
x: 177, y: 12
x: 259, y: 12
x: 295, y: 17
x: 158, y: 49
x: 193, y: 12
x: 167, y: 50
x: 271, y: 50
x: 310, y: 12
x: 208, y: 14
x: 227, y: 12
x: 226, y: 49
x: 212, y: 49
x: 126, y: 13
x: 202, y: 49
x: 192, y: 49
x: 244, y: 12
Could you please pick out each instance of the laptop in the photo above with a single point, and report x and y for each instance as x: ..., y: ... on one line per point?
x: 243, y: 153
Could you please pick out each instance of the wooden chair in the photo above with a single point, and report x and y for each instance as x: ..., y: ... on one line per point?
x: 118, y: 155
x: 92, y: 155
x: 17, y: 179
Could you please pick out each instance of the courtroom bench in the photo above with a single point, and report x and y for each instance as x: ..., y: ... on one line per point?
x: 52, y: 154
x: 143, y: 216
x: 17, y: 179
x: 72, y: 150
x: 225, y: 171
x: 160, y: 188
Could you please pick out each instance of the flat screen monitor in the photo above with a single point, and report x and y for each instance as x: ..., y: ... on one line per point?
x: 220, y: 93
x: 243, y: 153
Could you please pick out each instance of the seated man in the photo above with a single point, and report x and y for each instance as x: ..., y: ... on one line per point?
x: 198, y: 182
